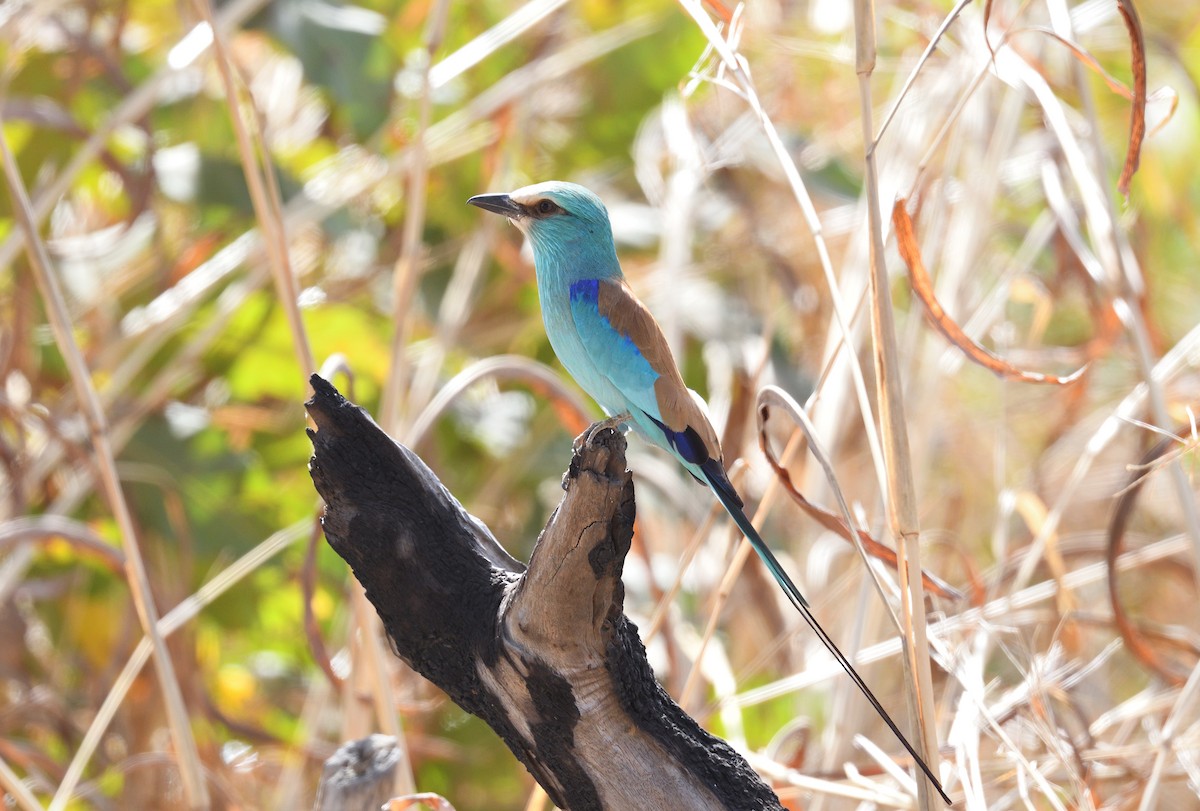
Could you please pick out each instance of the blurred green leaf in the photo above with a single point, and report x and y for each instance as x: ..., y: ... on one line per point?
x: 339, y: 46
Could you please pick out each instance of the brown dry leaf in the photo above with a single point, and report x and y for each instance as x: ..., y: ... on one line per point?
x: 1137, y: 115
x: 1086, y: 59
x: 1137, y: 638
x: 987, y: 18
x: 919, y: 278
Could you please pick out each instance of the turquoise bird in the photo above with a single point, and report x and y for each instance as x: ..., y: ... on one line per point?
x: 615, y: 350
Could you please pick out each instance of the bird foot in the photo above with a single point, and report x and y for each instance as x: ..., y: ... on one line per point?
x: 614, y: 423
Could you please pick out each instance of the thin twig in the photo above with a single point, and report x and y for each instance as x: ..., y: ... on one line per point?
x: 405, y: 273
x: 264, y: 196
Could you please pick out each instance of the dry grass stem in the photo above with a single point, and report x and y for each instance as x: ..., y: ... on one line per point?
x: 188, y: 759
x: 264, y: 193
x: 405, y: 271
x: 901, y: 496
x: 730, y: 62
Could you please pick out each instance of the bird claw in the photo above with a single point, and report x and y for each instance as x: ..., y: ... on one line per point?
x: 590, y: 435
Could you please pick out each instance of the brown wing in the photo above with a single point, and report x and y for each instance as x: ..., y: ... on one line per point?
x: 678, y: 405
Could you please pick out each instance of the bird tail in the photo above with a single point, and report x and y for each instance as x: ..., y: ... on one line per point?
x: 718, y: 482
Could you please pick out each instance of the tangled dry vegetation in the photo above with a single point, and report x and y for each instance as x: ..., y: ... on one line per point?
x: 206, y: 203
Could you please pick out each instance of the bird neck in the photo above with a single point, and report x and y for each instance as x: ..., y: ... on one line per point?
x: 562, y: 262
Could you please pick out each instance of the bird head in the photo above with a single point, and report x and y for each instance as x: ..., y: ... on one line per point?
x: 563, y: 221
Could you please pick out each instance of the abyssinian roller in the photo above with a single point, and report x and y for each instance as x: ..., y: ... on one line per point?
x: 615, y: 350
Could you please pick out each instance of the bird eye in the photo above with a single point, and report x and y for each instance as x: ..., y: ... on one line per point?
x: 546, y: 208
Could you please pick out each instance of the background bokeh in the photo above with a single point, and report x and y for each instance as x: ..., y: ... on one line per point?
x: 198, y: 302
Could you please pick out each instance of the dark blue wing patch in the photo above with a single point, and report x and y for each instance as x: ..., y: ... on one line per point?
x: 586, y: 290
x: 690, y: 447
x: 687, y: 443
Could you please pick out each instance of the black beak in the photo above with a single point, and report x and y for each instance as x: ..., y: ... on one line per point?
x: 497, y: 204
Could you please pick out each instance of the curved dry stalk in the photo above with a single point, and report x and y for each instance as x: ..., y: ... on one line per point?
x: 773, y: 396
x: 844, y: 527
x: 1137, y: 113
x: 44, y: 527
x: 1123, y: 506
x: 501, y: 367
x: 922, y: 287
x: 16, y: 788
x: 1082, y: 55
x: 191, y: 770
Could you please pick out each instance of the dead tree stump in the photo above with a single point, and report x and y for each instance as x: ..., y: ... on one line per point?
x: 359, y: 776
x: 543, y: 654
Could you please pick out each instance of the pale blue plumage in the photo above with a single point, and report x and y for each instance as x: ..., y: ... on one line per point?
x: 625, y: 367
x: 615, y: 350
x: 608, y: 341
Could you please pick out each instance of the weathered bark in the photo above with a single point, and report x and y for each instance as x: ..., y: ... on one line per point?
x: 544, y: 655
x: 360, y: 775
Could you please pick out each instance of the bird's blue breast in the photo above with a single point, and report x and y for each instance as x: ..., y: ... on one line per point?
x: 575, y: 349
x: 585, y: 302
x: 608, y: 347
